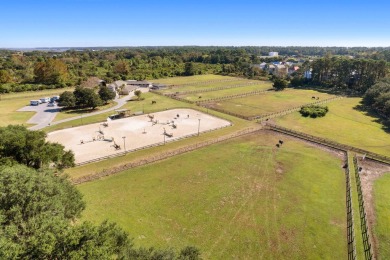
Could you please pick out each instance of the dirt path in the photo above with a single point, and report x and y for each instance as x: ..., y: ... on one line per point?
x: 371, y: 171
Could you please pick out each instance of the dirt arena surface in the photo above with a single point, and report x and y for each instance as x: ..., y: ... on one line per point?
x: 96, y: 140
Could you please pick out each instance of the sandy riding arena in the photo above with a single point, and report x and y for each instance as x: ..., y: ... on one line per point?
x: 94, y: 141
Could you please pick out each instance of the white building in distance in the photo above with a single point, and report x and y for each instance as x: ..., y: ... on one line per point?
x: 273, y: 54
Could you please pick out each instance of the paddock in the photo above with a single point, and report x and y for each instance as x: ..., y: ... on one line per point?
x: 97, y: 140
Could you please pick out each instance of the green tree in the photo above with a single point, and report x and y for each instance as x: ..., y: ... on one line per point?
x: 106, y: 94
x: 30, y: 148
x: 279, y: 84
x: 67, y: 99
x: 189, y: 69
x: 138, y: 94
x: 5, y: 76
x: 86, y: 97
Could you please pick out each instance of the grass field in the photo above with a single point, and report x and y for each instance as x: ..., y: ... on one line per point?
x: 382, y: 210
x: 227, y: 92
x: 343, y: 124
x: 10, y: 103
x: 77, y: 112
x: 191, y: 79
x: 250, y: 201
x: 270, y: 102
x: 205, y: 86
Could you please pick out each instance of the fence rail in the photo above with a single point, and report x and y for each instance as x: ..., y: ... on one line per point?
x: 161, y: 156
x: 148, y: 146
x: 251, y: 93
x: 329, y: 143
x: 211, y: 89
x: 350, y: 223
x: 204, y: 82
x: 368, y: 252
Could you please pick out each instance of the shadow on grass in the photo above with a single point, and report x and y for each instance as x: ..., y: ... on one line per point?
x: 79, y: 111
x: 367, y: 111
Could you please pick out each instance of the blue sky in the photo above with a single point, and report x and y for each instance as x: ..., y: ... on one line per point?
x: 81, y: 23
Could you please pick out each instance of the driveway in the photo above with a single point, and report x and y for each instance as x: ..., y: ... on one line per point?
x: 50, y: 113
x: 44, y: 114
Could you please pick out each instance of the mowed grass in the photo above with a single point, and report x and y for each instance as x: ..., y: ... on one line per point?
x: 205, y: 86
x: 270, y: 102
x: 345, y: 124
x: 10, y: 103
x: 251, y: 201
x: 227, y: 92
x: 78, y: 112
x: 191, y: 79
x: 382, y: 213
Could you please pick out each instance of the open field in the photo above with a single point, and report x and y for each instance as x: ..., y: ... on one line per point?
x: 207, y: 85
x: 226, y: 92
x: 243, y: 198
x: 343, y: 124
x: 10, y: 103
x: 382, y: 210
x: 269, y: 102
x: 93, y: 141
x: 192, y: 79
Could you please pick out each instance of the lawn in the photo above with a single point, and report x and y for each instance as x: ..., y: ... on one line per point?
x: 78, y: 112
x: 227, y: 92
x: 345, y: 124
x: 270, y: 102
x: 10, y: 103
x: 382, y: 210
x: 191, y: 79
x: 250, y: 201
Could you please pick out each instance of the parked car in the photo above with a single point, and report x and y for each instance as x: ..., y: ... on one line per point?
x: 51, y: 104
x: 35, y: 102
x: 45, y: 99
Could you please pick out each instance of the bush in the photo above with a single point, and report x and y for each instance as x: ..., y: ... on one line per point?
x: 313, y: 111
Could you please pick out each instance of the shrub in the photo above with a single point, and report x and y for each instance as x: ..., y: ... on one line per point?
x: 313, y: 111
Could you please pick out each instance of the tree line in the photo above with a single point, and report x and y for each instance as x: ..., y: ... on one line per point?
x: 24, y: 71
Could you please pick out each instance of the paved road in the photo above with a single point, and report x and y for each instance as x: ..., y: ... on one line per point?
x: 45, y: 115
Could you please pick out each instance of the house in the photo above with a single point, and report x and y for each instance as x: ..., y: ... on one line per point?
x: 127, y: 89
x: 271, y: 69
x: 281, y: 70
x: 142, y: 84
x: 307, y: 74
x: 260, y: 66
x: 292, y: 69
x: 116, y: 85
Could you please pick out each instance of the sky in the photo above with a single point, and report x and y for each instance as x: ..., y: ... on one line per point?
x: 93, y: 23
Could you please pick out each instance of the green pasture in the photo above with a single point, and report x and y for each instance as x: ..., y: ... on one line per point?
x: 10, y: 103
x: 382, y: 213
x: 345, y: 124
x: 191, y: 79
x: 227, y: 92
x: 251, y: 201
x: 206, y: 86
x: 270, y: 102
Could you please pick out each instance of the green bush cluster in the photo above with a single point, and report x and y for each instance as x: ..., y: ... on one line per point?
x: 314, y: 111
